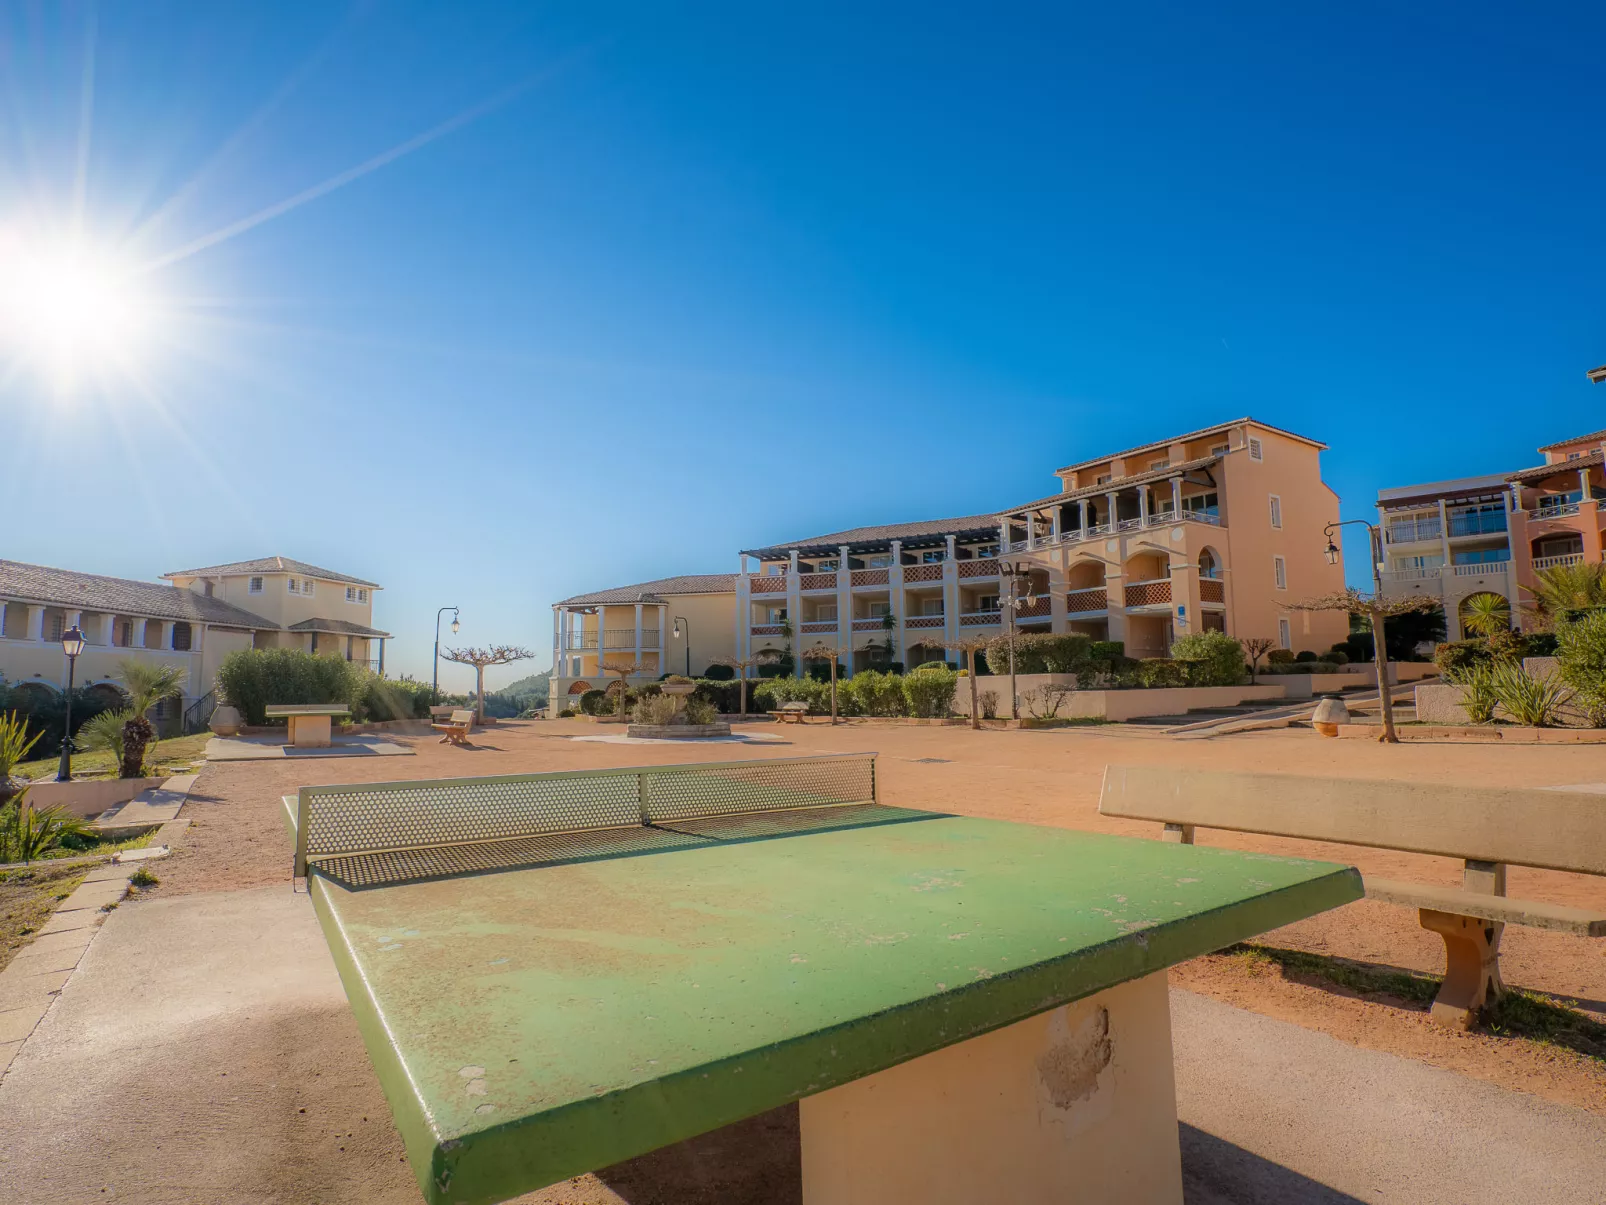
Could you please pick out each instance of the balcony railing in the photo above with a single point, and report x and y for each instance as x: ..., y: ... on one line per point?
x: 1556, y: 512
x: 765, y: 629
x: 1413, y: 531
x: 1210, y: 517
x: 1550, y: 562
x: 769, y: 583
x: 922, y: 573
x: 869, y: 625
x: 619, y: 638
x: 1410, y: 575
x: 1212, y: 589
x: 816, y: 627
x: 1081, y: 602
x: 1038, y: 610
x: 983, y: 567
x: 868, y: 577
x: 923, y: 621
x: 1149, y: 594
x: 816, y: 581
x: 1477, y: 523
x: 1480, y: 568
x: 1129, y: 525
x: 582, y: 640
x: 976, y: 619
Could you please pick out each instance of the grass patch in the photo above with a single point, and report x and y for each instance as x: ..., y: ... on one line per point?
x: 1517, y: 1014
x: 143, y: 878
x: 162, y: 756
x: 27, y: 898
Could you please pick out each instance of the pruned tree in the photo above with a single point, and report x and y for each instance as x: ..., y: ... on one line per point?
x: 742, y: 664
x: 1376, y: 608
x: 480, y: 659
x: 968, y: 646
x: 621, y: 669
x: 1255, y: 648
x: 826, y: 652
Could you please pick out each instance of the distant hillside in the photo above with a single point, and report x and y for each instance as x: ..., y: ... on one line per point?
x: 534, y: 688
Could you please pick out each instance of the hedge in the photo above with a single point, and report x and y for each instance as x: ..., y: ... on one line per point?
x: 254, y: 679
x: 1041, y: 653
x: 44, y: 712
x: 1210, y: 659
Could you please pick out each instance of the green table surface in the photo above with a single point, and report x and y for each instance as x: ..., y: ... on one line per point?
x: 534, y: 1023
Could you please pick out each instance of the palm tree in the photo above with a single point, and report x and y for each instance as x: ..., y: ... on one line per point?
x: 1485, y: 613
x: 1565, y: 592
x: 146, y: 684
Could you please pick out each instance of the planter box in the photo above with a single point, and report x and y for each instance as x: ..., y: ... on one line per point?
x: 1118, y: 705
x: 1480, y: 734
x: 1441, y: 704
x: 678, y: 732
x: 1307, y: 686
x: 91, y: 796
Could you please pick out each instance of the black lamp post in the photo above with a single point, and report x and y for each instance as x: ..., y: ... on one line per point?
x: 435, y: 669
x: 72, y: 643
x: 1014, y: 577
x: 680, y: 622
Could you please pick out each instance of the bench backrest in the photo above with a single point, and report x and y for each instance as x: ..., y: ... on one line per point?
x: 349, y: 818
x: 463, y: 716
x: 287, y: 709
x: 1557, y: 830
x: 795, y: 705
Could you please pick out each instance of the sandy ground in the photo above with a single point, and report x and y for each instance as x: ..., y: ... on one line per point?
x: 238, y: 840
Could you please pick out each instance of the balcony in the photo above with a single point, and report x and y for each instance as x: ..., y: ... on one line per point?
x: 818, y: 627
x: 581, y: 640
x: 923, y: 621
x: 1211, y: 518
x: 620, y: 638
x: 1041, y: 609
x: 977, y: 619
x: 984, y: 567
x: 816, y: 581
x: 922, y: 573
x: 1155, y: 593
x: 1479, y: 568
x: 1084, y: 602
x: 868, y: 577
x: 1551, y: 562
x: 1212, y: 590
x: 765, y: 629
x: 1410, y: 575
x: 869, y: 625
x: 1562, y: 511
x: 1414, y: 531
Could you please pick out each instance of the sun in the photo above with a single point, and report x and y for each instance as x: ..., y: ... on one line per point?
x: 69, y: 311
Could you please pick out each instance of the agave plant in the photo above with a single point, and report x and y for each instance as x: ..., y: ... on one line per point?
x: 14, y: 746
x: 1528, y: 699
x: 146, y: 685
x: 1478, y: 698
x: 1485, y: 613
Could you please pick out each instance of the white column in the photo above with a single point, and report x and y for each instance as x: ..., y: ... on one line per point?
x: 1083, y: 504
x: 36, y: 624
x: 895, y: 602
x: 1054, y: 524
x: 1003, y: 537
x: 639, y: 657
x: 794, y: 612
x: 1583, y: 485
x: 1031, y: 531
x: 1109, y: 500
x: 557, y: 643
x: 844, y: 607
x: 1444, y: 537
x: 1176, y: 497
x: 1143, y: 504
x: 952, y: 556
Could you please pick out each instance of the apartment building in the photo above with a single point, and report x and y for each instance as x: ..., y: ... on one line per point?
x: 1216, y: 529
x: 1451, y: 540
x: 193, y: 622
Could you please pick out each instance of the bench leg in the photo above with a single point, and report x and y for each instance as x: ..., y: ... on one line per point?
x: 1181, y: 834
x: 1075, y: 1106
x: 1471, y: 966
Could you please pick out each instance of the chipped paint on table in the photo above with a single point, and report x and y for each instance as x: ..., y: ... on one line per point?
x: 533, y: 1024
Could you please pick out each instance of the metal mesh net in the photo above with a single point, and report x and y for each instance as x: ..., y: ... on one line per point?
x: 370, y: 818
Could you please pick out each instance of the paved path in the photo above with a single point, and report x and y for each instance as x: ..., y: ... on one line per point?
x: 204, y: 1052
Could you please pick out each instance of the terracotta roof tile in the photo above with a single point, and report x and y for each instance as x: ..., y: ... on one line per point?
x: 885, y: 532
x: 689, y: 583
x: 273, y: 564
x: 120, y: 596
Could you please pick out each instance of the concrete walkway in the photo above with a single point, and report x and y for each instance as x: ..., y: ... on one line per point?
x: 204, y: 1052
x: 277, y: 748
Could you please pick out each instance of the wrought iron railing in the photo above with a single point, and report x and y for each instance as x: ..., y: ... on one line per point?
x: 199, y: 713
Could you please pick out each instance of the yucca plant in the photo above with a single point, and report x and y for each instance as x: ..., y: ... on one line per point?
x: 1529, y: 700
x: 14, y: 746
x: 1565, y: 592
x: 103, y: 731
x: 1485, y: 613
x: 146, y: 684
x: 27, y: 833
x: 1479, y: 698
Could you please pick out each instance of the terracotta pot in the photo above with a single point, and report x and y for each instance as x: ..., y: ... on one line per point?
x: 678, y: 688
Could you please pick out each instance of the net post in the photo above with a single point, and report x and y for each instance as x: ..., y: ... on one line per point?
x: 303, y: 802
x: 875, y: 785
x: 643, y: 797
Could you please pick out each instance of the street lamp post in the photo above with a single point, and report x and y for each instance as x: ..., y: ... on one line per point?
x: 1380, y: 655
x: 680, y: 622
x: 1010, y: 599
x: 435, y: 669
x: 72, y: 643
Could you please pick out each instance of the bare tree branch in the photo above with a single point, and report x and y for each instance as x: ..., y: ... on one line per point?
x: 479, y: 658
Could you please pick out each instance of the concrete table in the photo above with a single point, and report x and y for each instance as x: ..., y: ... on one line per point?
x: 309, y: 723
x: 967, y: 1010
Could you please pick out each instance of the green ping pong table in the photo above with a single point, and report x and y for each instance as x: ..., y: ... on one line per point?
x: 556, y: 972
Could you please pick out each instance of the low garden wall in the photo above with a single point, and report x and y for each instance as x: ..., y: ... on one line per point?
x: 1308, y: 686
x: 1116, y: 705
x: 1440, y: 703
x: 91, y: 796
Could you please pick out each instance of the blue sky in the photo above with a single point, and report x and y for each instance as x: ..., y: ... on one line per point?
x: 634, y: 288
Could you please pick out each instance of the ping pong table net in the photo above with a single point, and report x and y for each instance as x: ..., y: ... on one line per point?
x: 375, y: 834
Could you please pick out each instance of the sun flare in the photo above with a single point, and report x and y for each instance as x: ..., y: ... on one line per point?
x: 69, y: 311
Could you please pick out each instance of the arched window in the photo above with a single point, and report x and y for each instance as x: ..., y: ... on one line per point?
x: 1209, y: 564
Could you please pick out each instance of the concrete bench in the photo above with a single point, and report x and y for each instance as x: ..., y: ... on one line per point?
x: 790, y: 713
x: 456, y: 726
x: 1487, y: 828
x: 310, y: 724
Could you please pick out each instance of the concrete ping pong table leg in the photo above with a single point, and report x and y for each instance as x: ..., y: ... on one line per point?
x: 311, y: 731
x: 1077, y: 1105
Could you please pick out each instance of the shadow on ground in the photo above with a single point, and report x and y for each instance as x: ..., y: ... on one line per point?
x: 1215, y: 1172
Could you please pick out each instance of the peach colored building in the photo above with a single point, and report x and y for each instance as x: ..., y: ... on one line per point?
x: 1219, y: 528
x: 1451, y: 540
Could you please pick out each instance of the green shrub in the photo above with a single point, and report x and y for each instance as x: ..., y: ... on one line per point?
x: 1305, y: 655
x: 1529, y: 700
x: 591, y: 701
x: 43, y: 713
x: 15, y: 744
x: 719, y: 673
x: 1478, y: 696
x: 930, y: 693
x: 1581, y: 661
x: 1211, y: 658
x: 1337, y: 656
x: 934, y: 665
x: 27, y: 833
x: 1281, y: 657
x: 1106, y: 650
x: 566, y: 714
x: 772, y: 692
x: 1040, y: 653
x: 700, y: 711
x: 395, y: 699
x: 655, y: 709
x: 1161, y: 672
x: 877, y: 693
x: 254, y: 679
x: 103, y: 732
x: 1542, y: 644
